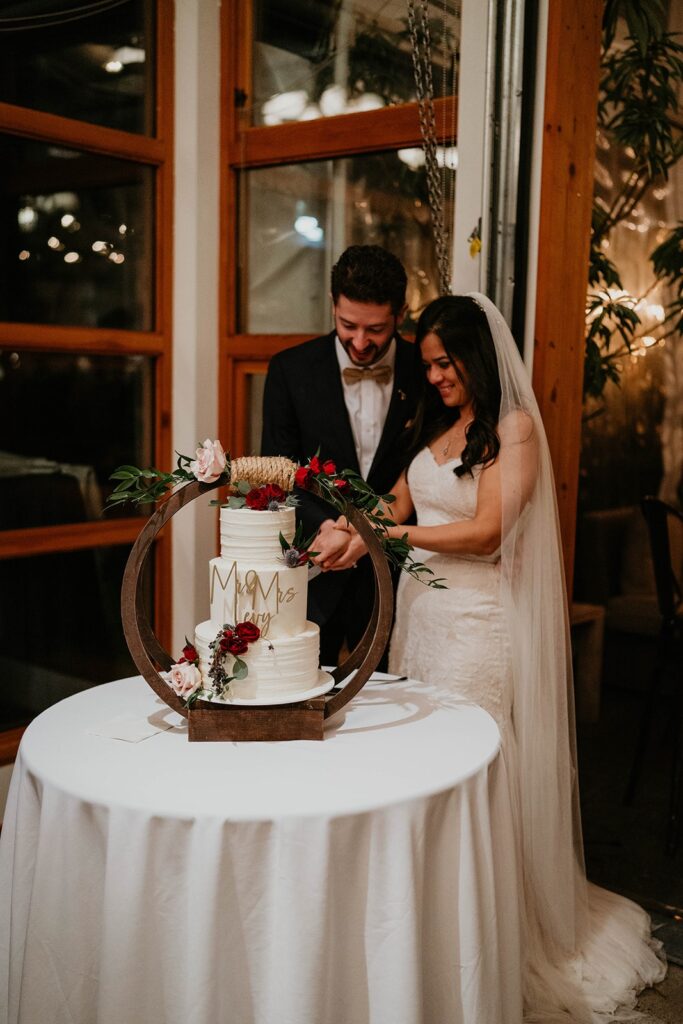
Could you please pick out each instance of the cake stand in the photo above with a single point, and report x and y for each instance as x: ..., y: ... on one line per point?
x: 208, y: 720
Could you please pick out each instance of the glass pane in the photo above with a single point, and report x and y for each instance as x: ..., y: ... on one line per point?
x: 60, y: 627
x: 315, y: 59
x: 297, y: 219
x: 76, y: 237
x: 256, y: 384
x: 92, y: 62
x: 66, y: 422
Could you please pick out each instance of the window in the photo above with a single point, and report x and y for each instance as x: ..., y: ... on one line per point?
x: 323, y: 148
x: 85, y: 240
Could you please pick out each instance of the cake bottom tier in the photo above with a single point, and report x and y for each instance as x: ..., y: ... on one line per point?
x: 277, y: 668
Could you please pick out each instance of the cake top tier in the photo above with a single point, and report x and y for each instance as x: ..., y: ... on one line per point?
x: 248, y: 536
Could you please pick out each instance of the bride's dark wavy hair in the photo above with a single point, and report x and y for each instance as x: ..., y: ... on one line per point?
x: 461, y: 325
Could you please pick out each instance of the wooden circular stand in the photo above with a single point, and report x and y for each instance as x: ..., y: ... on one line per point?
x: 212, y: 721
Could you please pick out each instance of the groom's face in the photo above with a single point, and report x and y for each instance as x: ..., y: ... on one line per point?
x: 365, y: 329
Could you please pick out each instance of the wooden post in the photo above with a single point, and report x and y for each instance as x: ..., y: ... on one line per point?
x: 571, y: 97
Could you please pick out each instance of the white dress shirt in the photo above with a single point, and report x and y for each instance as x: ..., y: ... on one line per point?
x: 367, y: 403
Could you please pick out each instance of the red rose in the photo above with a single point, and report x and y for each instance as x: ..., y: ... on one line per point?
x: 273, y: 493
x: 247, y: 631
x: 256, y: 499
x: 302, y: 477
x: 329, y: 467
x: 314, y: 465
x: 341, y: 485
x: 237, y: 645
x: 224, y: 644
x: 189, y: 653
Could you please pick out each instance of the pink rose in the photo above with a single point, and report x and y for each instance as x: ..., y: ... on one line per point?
x: 210, y: 462
x: 184, y: 679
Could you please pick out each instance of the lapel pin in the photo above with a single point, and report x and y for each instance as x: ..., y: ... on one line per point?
x: 401, y: 395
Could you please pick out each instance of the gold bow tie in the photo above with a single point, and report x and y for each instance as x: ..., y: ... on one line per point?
x: 352, y: 374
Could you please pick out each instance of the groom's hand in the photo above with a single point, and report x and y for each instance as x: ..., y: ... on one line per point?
x: 354, y: 547
x: 330, y: 545
x: 338, y: 545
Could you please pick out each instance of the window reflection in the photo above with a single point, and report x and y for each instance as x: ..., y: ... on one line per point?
x: 83, y: 60
x: 314, y: 59
x: 60, y: 627
x: 66, y: 422
x: 76, y: 237
x: 297, y: 219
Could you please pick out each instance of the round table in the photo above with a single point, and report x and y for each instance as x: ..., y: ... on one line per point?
x: 167, y: 882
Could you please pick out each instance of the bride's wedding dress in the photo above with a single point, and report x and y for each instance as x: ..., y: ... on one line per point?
x: 585, y: 952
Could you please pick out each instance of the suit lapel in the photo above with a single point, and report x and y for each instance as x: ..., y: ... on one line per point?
x: 334, y: 416
x: 400, y: 407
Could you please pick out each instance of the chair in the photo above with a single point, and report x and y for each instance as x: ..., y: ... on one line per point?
x: 665, y: 529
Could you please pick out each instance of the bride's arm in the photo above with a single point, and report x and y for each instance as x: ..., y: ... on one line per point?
x: 477, y: 536
x: 518, y: 460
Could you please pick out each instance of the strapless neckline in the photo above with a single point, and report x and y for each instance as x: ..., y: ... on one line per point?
x: 449, y: 462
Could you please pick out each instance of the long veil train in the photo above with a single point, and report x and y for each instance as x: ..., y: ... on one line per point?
x: 588, y: 952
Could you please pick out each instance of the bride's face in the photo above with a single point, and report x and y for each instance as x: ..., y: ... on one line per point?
x: 442, y: 374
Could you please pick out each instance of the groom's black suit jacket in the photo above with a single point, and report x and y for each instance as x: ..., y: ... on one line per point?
x: 304, y: 411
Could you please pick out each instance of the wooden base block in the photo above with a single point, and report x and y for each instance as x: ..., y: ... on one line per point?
x: 241, y: 723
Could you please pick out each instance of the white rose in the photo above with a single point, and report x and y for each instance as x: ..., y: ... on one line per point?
x: 210, y: 462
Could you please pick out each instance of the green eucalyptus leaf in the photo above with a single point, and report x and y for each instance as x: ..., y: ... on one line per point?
x: 240, y: 669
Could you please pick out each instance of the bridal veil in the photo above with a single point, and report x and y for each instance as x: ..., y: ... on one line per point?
x: 588, y: 952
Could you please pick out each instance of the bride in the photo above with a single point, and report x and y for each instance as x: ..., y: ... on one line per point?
x: 480, y: 483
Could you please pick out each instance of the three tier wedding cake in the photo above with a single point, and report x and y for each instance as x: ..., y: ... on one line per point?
x: 250, y: 582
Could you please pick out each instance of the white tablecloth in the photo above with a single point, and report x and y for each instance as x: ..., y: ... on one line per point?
x: 340, y: 882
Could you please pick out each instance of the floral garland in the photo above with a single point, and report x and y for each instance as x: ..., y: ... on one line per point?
x: 185, y: 678
x: 266, y: 498
x: 319, y: 476
x: 349, y: 488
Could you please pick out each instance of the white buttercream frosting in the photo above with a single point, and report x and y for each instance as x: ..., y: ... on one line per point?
x: 271, y: 596
x: 250, y: 582
x: 277, y: 668
x: 253, y: 538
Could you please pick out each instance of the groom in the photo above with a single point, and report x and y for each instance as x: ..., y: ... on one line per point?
x: 350, y: 395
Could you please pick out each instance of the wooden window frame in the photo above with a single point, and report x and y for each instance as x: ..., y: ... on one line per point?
x: 157, y: 152
x: 245, y: 146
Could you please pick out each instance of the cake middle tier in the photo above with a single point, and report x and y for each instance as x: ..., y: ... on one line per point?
x: 273, y: 597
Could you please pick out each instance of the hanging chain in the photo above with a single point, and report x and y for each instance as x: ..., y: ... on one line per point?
x: 450, y: 66
x: 421, y: 51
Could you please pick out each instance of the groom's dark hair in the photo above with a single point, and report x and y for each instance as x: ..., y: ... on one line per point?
x: 368, y: 273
